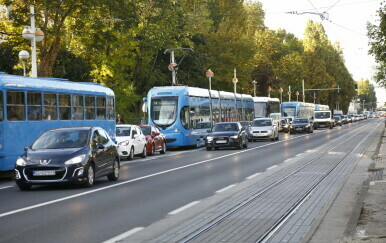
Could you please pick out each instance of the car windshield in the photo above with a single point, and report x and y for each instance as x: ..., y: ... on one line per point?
x: 145, y: 130
x: 322, y: 114
x: 262, y: 123
x: 300, y: 121
x: 225, y: 127
x: 122, y: 131
x: 337, y: 117
x: 62, y: 139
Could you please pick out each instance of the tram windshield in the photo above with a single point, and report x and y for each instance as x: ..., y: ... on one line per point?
x: 289, y: 111
x: 164, y: 110
x: 260, y: 109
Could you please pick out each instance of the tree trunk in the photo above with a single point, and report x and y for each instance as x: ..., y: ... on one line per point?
x: 47, y: 61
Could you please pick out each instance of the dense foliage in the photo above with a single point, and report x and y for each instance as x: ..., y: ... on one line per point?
x: 122, y: 44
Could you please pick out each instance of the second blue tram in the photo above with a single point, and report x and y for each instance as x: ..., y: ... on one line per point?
x: 297, y: 109
x: 183, y: 112
x: 30, y: 106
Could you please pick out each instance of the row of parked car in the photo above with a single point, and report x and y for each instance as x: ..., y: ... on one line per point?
x: 81, y: 154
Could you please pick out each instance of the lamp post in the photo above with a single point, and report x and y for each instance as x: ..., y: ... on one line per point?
x: 24, y: 55
x: 209, y: 74
x: 254, y: 88
x: 363, y: 106
x: 235, y: 80
x: 34, y: 35
x: 269, y: 91
x: 297, y: 96
x: 281, y: 94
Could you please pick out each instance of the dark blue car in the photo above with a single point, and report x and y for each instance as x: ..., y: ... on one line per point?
x: 68, y: 155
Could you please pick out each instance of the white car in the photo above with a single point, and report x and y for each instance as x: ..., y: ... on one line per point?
x: 131, y: 141
x: 264, y: 128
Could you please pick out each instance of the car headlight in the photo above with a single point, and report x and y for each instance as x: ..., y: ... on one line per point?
x: 209, y: 138
x: 175, y: 130
x: 235, y: 136
x: 75, y: 160
x: 124, y: 143
x: 21, y: 162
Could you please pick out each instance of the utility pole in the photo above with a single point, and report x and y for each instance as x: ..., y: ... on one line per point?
x: 173, y: 66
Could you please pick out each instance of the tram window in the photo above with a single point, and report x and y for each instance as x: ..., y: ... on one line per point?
x: 77, y: 107
x: 15, y: 106
x: 34, y: 108
x: 1, y: 107
x: 101, y: 108
x: 90, y: 107
x: 110, y: 108
x: 64, y: 107
x: 50, y: 104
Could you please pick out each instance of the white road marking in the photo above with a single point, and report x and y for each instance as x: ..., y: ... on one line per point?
x: 287, y: 160
x: 178, y: 210
x: 272, y: 167
x: 225, y: 188
x: 124, y: 235
x: 253, y: 176
x: 138, y: 179
x: 5, y: 187
x: 299, y: 154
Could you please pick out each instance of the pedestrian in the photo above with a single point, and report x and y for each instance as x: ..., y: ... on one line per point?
x: 120, y: 119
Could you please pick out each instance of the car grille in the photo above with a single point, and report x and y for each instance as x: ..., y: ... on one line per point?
x: 217, y: 140
x: 260, y: 131
x: 60, y: 173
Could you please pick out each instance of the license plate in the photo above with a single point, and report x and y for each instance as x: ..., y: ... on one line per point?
x: 43, y: 172
x: 299, y: 129
x: 221, y: 141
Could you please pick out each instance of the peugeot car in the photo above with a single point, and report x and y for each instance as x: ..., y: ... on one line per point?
x: 68, y: 155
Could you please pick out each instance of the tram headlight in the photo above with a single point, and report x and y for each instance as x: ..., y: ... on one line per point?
x: 21, y: 162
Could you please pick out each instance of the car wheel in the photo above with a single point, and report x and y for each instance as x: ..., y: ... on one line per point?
x: 208, y: 148
x: 152, y: 149
x: 245, y: 144
x: 115, y: 174
x: 131, y: 154
x: 90, y: 176
x: 240, y: 145
x: 143, y: 154
x: 23, y: 187
x: 163, y: 150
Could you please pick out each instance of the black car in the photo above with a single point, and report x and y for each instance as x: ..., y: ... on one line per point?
x: 227, y: 134
x: 338, y: 121
x: 284, y: 125
x: 68, y: 155
x: 301, y: 125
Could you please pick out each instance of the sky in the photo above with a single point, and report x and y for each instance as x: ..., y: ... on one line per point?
x: 345, y: 22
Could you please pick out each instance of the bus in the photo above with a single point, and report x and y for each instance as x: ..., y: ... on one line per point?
x: 264, y: 106
x: 297, y: 110
x: 183, y: 113
x: 30, y: 106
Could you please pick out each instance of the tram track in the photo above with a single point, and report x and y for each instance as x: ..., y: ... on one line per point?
x: 275, y: 226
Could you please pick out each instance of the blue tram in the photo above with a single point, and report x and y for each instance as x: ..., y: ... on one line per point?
x: 29, y: 106
x: 183, y: 112
x: 297, y: 109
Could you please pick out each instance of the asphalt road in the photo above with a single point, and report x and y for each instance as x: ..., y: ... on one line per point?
x: 148, y: 190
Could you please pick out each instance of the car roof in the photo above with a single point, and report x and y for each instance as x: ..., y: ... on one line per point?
x: 72, y: 128
x: 262, y: 118
x: 125, y: 125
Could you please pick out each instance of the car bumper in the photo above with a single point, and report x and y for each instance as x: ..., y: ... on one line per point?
x: 231, y: 142
x: 37, y: 175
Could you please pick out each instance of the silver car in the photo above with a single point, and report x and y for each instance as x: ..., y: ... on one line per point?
x: 264, y: 128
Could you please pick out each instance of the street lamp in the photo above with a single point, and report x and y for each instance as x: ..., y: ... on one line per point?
x: 269, y: 91
x: 254, y: 88
x: 363, y: 106
x: 34, y: 35
x: 24, y: 55
x: 235, y: 80
x: 209, y: 74
x: 281, y: 95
